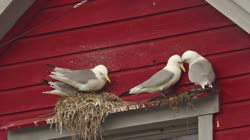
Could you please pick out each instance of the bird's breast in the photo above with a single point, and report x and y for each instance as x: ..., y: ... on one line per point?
x: 97, y: 84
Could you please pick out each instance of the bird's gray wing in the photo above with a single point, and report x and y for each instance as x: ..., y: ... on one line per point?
x: 158, y: 79
x: 80, y: 76
x: 65, y: 88
x: 62, y: 70
x: 201, y: 70
x: 60, y: 88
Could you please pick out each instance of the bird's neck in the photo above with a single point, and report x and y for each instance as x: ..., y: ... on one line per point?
x: 171, y: 67
x: 98, y: 75
x: 195, y: 59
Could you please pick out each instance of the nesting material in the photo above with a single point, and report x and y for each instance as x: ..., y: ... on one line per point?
x: 83, y: 114
x: 175, y: 101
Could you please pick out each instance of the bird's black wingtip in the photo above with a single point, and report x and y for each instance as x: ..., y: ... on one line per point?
x: 46, y: 82
x: 51, y: 66
x: 125, y: 94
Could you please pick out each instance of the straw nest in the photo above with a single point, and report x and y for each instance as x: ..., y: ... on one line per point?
x: 83, y: 114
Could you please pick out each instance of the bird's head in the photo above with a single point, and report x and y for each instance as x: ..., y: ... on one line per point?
x: 102, y: 72
x: 189, y: 56
x: 175, y: 60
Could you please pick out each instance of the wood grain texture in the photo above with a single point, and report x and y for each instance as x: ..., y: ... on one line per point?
x: 244, y: 4
x: 227, y: 118
x: 118, y: 33
x: 236, y: 89
x: 111, y: 58
x: 212, y: 40
x: 234, y: 12
x: 3, y: 134
x: 121, y: 81
x: 13, y: 10
x: 101, y: 11
x: 134, y: 42
x: 233, y: 134
x: 205, y: 127
x: 20, y: 117
x: 56, y: 3
x: 21, y: 24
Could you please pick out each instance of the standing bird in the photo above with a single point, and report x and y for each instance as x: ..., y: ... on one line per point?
x: 200, y: 69
x: 87, y: 80
x: 161, y: 80
x: 60, y: 88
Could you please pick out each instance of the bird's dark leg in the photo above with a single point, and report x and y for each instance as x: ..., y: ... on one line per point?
x: 163, y: 94
x: 196, y: 87
x: 170, y: 91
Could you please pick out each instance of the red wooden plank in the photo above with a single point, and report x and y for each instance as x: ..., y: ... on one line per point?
x: 6, y: 119
x: 121, y: 81
x: 25, y: 119
x: 118, y: 33
x: 236, y: 89
x: 233, y: 134
x: 233, y: 115
x: 222, y: 66
x: 22, y: 23
x: 26, y: 99
x: 3, y: 134
x: 53, y: 3
x: 96, y: 12
x: 232, y: 37
x: 32, y: 73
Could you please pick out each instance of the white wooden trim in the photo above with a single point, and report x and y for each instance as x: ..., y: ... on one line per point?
x: 205, y: 124
x: 4, y: 4
x: 234, y: 12
x: 146, y: 123
x: 208, y: 105
x: 245, y: 4
x: 147, y: 132
x: 10, y: 12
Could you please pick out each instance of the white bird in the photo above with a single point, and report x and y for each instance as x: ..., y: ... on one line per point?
x: 200, y: 69
x: 60, y: 88
x: 83, y: 80
x: 162, y: 80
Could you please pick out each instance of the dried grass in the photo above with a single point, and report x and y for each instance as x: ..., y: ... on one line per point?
x: 83, y: 114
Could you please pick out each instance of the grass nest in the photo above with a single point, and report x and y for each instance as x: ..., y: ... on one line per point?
x: 83, y: 114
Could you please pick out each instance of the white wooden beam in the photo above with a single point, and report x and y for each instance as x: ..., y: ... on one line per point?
x: 10, y: 12
x: 234, y: 12
x: 173, y: 122
x: 205, y: 125
x: 245, y: 4
x: 208, y: 105
x: 4, y: 4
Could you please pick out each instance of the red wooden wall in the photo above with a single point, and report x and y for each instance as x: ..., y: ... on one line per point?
x: 134, y: 39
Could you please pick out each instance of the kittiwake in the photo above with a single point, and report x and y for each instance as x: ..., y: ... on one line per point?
x: 162, y: 80
x: 88, y: 80
x: 60, y: 88
x: 200, y: 69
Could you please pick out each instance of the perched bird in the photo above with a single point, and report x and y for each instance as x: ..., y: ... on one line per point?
x: 83, y: 80
x: 60, y: 88
x: 162, y: 80
x: 200, y: 69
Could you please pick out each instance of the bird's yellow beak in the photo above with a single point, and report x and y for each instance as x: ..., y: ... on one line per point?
x: 182, y: 67
x: 107, y: 78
